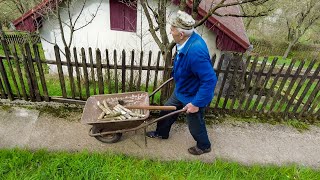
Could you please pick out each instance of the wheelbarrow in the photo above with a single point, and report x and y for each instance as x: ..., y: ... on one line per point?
x: 111, y: 131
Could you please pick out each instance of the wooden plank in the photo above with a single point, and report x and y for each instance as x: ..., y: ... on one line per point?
x: 32, y: 72
x: 225, y: 76
x: 70, y: 72
x: 115, y: 59
x: 156, y: 76
x: 292, y: 82
x: 247, y: 85
x: 300, y: 84
x: 283, y: 82
x: 99, y: 71
x: 140, y: 72
x: 131, y: 71
x: 123, y: 71
x: 76, y: 62
x: 92, y: 71
x: 27, y: 73
x: 238, y: 89
x: 165, y: 76
x: 108, y: 72
x: 6, y: 80
x: 3, y: 93
x: 13, y: 77
x: 268, y: 76
x: 213, y: 59
x: 308, y: 103
x: 274, y: 82
x: 257, y: 80
x: 230, y: 88
x: 60, y: 71
x: 314, y: 105
x: 69, y: 101
x: 41, y: 73
x: 148, y: 71
x: 317, y: 114
x: 19, y: 71
x: 218, y: 70
x: 85, y: 72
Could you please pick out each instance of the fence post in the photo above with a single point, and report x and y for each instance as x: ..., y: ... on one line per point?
x: 99, y: 71
x: 2, y: 69
x: 32, y: 72
x: 60, y: 71
x: 70, y: 72
x: 41, y: 73
x: 123, y: 71
x: 6, y: 81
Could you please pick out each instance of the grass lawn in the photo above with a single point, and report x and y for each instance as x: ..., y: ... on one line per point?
x: 24, y: 164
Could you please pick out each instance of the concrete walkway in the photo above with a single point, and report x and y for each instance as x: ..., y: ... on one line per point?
x: 241, y: 142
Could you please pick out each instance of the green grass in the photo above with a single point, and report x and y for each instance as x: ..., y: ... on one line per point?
x: 24, y: 164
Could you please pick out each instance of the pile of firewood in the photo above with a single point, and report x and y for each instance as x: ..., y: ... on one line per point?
x: 117, y: 112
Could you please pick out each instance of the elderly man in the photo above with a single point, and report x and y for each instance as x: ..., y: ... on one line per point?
x: 195, y: 81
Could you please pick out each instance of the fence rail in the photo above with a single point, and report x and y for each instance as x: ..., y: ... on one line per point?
x: 246, y: 86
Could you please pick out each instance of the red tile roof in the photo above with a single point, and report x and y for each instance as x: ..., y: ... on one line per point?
x: 231, y: 26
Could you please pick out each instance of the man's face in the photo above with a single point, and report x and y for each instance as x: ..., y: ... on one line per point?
x: 177, y: 36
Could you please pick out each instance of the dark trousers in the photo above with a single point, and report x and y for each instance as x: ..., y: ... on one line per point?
x: 196, y: 123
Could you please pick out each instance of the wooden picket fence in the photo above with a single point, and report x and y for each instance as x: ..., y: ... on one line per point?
x: 21, y: 38
x: 248, y: 86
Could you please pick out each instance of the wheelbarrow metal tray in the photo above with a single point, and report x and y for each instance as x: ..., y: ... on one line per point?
x: 92, y: 111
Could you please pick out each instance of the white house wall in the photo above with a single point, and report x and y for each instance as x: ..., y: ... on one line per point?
x: 99, y: 35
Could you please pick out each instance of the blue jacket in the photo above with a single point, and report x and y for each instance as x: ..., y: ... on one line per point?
x: 193, y: 74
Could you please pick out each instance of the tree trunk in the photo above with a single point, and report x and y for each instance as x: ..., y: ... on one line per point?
x: 288, y: 50
x: 165, y: 91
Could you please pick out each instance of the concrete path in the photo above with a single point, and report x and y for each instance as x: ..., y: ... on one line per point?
x: 241, y: 142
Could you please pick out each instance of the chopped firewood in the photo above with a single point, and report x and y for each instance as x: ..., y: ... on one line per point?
x: 106, y: 105
x: 119, y: 110
x: 113, y: 115
x: 103, y: 108
x: 101, y: 115
x: 123, y: 108
x: 137, y: 115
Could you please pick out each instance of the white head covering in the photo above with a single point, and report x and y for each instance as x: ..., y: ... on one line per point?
x: 183, y: 20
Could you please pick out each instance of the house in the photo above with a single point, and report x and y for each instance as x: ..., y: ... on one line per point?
x: 118, y: 26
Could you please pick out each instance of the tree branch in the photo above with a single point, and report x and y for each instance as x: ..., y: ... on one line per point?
x: 92, y: 17
x: 151, y: 26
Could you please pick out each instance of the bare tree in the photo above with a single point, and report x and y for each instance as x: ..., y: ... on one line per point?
x: 299, y: 20
x: 67, y: 27
x: 258, y: 9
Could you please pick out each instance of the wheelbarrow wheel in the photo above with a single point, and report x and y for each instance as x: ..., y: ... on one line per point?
x: 108, y: 138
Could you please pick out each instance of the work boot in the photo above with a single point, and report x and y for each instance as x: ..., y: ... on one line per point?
x: 155, y: 134
x: 197, y: 151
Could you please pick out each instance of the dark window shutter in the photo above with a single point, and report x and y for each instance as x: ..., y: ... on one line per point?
x: 122, y: 17
x: 116, y: 15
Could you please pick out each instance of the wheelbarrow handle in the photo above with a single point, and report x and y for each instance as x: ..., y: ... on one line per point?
x: 151, y: 107
x: 163, y: 117
x: 155, y: 91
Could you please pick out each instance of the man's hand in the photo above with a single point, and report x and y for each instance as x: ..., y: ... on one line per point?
x: 191, y: 108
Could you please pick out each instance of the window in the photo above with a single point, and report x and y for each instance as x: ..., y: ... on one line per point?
x: 123, y: 16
